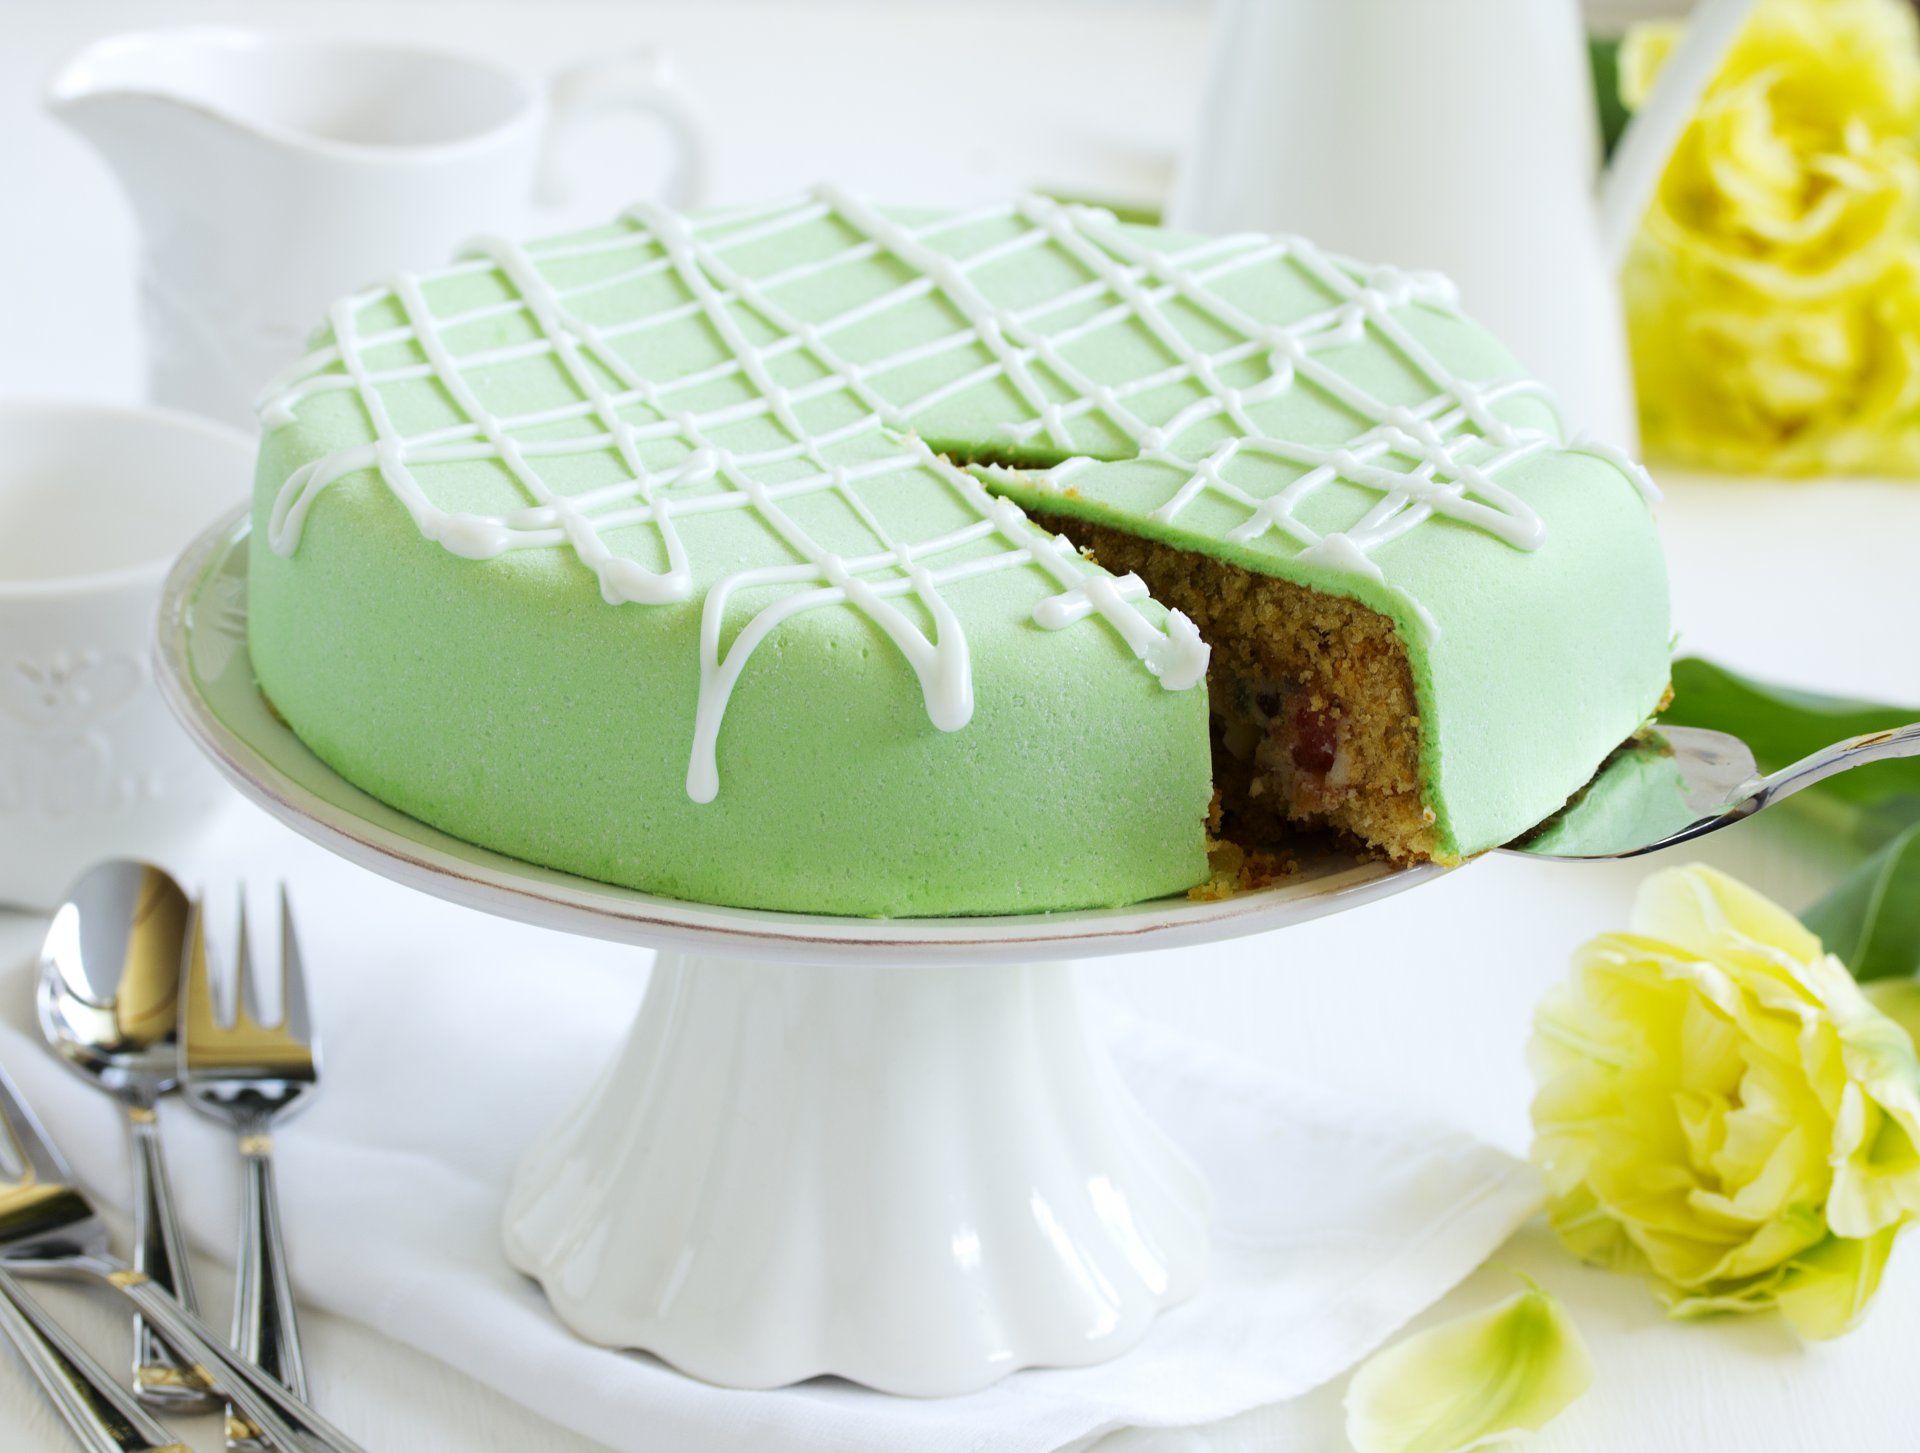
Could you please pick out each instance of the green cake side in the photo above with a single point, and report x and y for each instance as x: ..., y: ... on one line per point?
x: 506, y: 703
x: 530, y: 531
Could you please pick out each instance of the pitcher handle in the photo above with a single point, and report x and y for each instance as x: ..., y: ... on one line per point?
x: 640, y: 82
x: 1656, y: 128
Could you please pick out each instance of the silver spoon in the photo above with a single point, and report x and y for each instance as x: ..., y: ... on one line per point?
x: 109, y: 985
x: 1674, y: 784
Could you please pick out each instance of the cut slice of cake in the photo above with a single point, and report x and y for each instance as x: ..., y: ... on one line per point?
x: 700, y: 555
x: 1315, y: 723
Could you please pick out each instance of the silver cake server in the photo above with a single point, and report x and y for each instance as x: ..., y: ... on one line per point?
x: 1674, y: 784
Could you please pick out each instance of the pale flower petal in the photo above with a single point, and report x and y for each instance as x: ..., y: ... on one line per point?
x: 1708, y: 913
x: 1470, y: 1382
x: 1822, y: 1292
x: 1826, y: 1290
x: 1899, y: 1000
x: 1642, y: 53
x: 1877, y: 1169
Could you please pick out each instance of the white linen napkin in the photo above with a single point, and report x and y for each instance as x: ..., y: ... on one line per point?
x: 453, y: 1039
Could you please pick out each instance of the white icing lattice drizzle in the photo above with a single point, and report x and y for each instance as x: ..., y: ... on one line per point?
x: 1437, y: 457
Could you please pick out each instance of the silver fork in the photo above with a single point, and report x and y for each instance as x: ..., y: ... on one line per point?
x: 48, y: 1228
x: 248, y: 1075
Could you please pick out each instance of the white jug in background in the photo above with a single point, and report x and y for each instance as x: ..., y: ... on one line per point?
x: 271, y: 174
x: 1457, y: 135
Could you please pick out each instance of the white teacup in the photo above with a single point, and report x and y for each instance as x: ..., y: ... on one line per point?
x: 95, y: 501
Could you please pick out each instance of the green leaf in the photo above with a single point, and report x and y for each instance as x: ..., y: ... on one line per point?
x: 1878, y: 823
x: 1479, y: 1379
x: 1871, y: 919
x: 1782, y: 725
x: 1603, y: 51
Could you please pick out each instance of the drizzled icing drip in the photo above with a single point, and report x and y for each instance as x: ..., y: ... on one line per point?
x: 1621, y: 460
x: 1455, y: 442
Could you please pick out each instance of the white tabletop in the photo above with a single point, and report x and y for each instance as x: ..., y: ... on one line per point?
x: 1424, y: 998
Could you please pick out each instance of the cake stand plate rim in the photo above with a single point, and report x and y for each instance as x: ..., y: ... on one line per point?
x: 413, y: 853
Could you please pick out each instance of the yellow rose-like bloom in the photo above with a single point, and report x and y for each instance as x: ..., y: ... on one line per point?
x: 1773, y: 294
x: 1721, y: 1108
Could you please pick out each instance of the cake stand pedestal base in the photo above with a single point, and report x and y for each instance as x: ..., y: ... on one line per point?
x: 919, y: 1178
x: 881, y: 1148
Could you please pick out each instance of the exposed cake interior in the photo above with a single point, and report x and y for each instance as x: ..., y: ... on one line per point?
x: 1314, y: 718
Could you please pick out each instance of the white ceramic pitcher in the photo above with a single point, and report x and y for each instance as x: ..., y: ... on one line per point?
x: 1458, y: 135
x: 270, y: 174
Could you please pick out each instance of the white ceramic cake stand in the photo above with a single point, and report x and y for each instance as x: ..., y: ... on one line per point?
x: 888, y: 1150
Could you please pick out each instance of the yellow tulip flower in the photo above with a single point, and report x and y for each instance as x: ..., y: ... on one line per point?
x: 1722, y: 1109
x: 1773, y: 293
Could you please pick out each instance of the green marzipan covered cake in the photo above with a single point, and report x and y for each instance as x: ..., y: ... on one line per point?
x: 696, y: 554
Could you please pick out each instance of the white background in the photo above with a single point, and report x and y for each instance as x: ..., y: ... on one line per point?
x: 1424, y: 998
